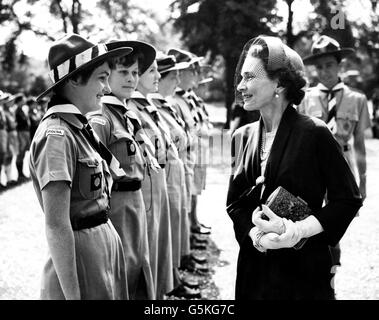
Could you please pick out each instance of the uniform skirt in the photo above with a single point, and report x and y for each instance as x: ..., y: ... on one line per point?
x: 129, y: 218
x: 100, y: 266
x: 176, y: 189
x: 154, y: 190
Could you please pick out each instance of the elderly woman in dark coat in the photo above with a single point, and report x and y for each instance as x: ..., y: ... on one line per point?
x: 295, y: 152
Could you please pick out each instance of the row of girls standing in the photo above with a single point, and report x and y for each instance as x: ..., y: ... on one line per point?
x: 128, y: 162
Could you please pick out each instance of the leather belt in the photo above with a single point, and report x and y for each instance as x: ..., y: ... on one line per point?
x: 132, y: 185
x: 91, y: 221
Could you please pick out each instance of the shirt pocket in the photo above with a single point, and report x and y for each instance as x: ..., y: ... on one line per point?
x: 346, y: 123
x: 91, y: 178
x: 125, y: 149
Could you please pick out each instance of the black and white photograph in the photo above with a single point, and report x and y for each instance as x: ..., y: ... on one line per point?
x: 192, y: 151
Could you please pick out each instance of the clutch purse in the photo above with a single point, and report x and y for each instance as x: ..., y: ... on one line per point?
x: 286, y: 205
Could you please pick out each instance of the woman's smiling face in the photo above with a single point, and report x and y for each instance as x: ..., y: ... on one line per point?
x: 256, y: 87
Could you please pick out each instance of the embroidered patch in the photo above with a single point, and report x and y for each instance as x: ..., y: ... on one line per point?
x: 96, y: 181
x: 56, y: 132
x: 131, y: 148
x: 98, y: 121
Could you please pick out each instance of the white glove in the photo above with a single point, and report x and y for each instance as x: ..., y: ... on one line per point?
x: 294, y: 232
x: 255, y: 235
x: 274, y: 224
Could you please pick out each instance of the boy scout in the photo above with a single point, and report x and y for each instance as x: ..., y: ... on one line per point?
x: 344, y: 110
x: 70, y: 172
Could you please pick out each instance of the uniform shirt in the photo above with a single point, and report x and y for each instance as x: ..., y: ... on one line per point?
x: 352, y: 112
x: 11, y: 120
x: 177, y: 132
x: 117, y: 134
x: 60, y: 152
x: 164, y: 147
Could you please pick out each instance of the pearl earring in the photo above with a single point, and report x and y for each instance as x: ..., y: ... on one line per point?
x: 276, y: 95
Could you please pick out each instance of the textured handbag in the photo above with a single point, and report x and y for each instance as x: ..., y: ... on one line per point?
x: 286, y: 205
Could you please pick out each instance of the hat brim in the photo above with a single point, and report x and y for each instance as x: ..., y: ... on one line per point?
x: 342, y: 53
x: 108, y: 55
x: 148, y: 51
x: 178, y: 66
x: 206, y: 80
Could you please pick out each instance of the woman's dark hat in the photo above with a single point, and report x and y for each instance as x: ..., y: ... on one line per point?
x: 73, y: 53
x: 167, y: 63
x: 184, y: 56
x: 324, y: 46
x: 147, y: 50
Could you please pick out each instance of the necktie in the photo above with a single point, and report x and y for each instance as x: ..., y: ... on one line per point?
x: 141, y: 138
x: 133, y: 126
x: 103, y: 151
x: 332, y: 107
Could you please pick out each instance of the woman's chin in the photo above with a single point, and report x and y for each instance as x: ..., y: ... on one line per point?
x: 249, y: 106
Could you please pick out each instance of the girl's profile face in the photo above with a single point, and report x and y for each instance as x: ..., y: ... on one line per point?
x: 149, y: 80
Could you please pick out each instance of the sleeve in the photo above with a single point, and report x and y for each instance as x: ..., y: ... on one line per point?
x: 239, y: 211
x: 101, y: 125
x: 55, y: 156
x: 343, y: 197
x: 364, y: 117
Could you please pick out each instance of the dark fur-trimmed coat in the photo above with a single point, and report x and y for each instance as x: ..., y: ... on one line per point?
x: 306, y: 160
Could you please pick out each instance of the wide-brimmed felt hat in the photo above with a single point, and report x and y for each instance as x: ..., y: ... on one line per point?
x: 72, y: 53
x: 167, y: 63
x: 184, y: 56
x: 4, y: 96
x: 324, y: 46
x: 148, y: 52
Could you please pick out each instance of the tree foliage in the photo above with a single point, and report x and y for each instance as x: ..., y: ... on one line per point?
x: 222, y: 28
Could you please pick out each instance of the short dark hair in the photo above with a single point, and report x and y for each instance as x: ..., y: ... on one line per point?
x: 127, y: 60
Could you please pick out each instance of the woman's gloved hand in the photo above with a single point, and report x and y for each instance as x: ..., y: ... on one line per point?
x: 274, y: 224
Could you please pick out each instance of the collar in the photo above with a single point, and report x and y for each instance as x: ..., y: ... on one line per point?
x: 155, y: 95
x: 339, y: 86
x: 67, y: 112
x: 113, y: 100
x: 137, y: 94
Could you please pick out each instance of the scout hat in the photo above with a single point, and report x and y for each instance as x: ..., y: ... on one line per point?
x: 326, y: 46
x: 146, y: 51
x: 73, y: 53
x: 4, y: 96
x: 167, y: 63
x: 184, y: 56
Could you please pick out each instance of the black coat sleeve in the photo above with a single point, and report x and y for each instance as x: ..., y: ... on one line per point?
x: 343, y: 197
x: 240, y: 211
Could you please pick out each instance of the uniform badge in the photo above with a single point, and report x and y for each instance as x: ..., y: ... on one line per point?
x: 98, y: 121
x: 96, y: 181
x: 55, y: 132
x: 131, y: 148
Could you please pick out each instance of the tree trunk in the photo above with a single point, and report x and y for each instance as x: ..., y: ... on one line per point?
x: 289, y: 35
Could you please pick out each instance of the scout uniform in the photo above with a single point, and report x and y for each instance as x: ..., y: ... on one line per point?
x: 351, y: 116
x: 12, y: 142
x: 23, y: 131
x: 187, y: 114
x: 61, y: 152
x: 3, y: 132
x: 154, y: 189
x: 200, y: 170
x: 175, y: 178
x: 114, y: 126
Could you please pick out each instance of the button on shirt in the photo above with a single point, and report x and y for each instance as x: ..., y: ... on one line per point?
x: 60, y: 152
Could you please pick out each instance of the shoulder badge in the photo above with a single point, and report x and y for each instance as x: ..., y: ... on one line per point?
x: 55, y: 132
x: 98, y: 121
